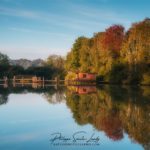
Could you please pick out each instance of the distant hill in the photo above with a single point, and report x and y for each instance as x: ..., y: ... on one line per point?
x: 25, y: 63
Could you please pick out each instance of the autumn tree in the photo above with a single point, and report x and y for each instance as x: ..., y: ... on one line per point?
x: 136, y: 51
x: 96, y: 52
x: 113, y: 39
x: 110, y: 55
x: 85, y: 56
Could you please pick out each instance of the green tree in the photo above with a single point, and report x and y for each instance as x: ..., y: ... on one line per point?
x: 4, y: 60
x: 55, y: 61
x: 73, y: 58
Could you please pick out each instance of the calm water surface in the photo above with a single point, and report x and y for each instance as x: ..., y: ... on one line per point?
x: 108, y: 117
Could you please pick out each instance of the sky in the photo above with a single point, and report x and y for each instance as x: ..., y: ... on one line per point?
x: 34, y: 29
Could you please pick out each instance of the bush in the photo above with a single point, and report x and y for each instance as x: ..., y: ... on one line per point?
x: 70, y: 76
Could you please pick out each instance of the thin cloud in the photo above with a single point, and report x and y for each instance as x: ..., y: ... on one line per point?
x: 25, y: 30
x: 19, y: 13
x: 100, y: 14
x: 79, y: 22
x: 51, y: 19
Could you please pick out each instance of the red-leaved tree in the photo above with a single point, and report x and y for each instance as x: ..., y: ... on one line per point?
x: 113, y: 38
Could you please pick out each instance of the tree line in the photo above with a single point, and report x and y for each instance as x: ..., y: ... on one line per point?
x: 116, y: 55
x: 53, y: 66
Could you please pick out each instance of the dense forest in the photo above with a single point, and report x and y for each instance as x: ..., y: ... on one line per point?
x: 116, y: 55
x: 53, y: 66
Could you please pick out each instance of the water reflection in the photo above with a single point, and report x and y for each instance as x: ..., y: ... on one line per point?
x: 112, y: 109
x: 115, y: 110
x: 51, y: 93
x: 82, y: 89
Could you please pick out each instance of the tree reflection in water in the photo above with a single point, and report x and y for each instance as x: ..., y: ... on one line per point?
x: 115, y: 110
x: 51, y: 94
x: 111, y: 109
x: 3, y: 95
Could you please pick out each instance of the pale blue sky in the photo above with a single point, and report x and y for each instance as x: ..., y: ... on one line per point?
x: 37, y: 28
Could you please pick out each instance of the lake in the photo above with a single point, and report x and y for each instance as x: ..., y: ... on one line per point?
x: 83, y: 117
